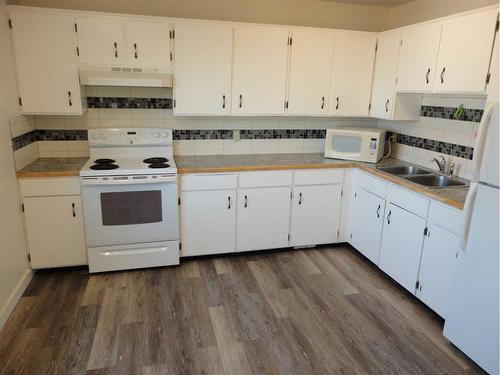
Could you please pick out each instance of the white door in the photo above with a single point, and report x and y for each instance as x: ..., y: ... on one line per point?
x: 439, y: 256
x: 203, y: 66
x: 418, y: 57
x: 315, y: 214
x: 465, y: 52
x: 55, y: 231
x: 352, y: 75
x: 384, y: 76
x: 148, y: 43
x: 259, y: 70
x: 402, y: 246
x: 310, y: 73
x: 366, y: 222
x: 263, y: 218
x: 208, y: 222
x: 46, y: 61
x: 100, y: 40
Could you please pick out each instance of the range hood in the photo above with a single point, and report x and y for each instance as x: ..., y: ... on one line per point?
x: 117, y: 76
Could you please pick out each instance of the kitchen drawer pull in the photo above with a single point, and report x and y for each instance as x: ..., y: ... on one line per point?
x: 223, y: 101
x: 389, y: 217
x: 322, y: 102
x: 387, y: 105
x: 116, y: 49
x: 337, y: 106
x: 135, y: 50
x: 300, y: 198
x: 70, y: 102
x: 228, y: 203
x: 246, y: 201
x: 442, y: 74
x: 378, y: 211
x: 427, y: 75
x: 73, y: 207
x: 241, y: 100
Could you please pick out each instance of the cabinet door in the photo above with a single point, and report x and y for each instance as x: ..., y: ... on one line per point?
x: 46, y: 63
x: 418, y: 58
x: 259, y: 71
x: 384, y: 76
x: 402, y: 246
x: 203, y: 65
x: 439, y: 256
x: 366, y: 221
x: 310, y: 73
x: 263, y: 218
x: 100, y: 40
x: 352, y: 75
x: 315, y: 215
x: 55, y: 231
x: 464, y: 55
x: 208, y: 222
x: 148, y: 43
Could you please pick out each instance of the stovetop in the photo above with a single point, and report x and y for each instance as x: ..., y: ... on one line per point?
x: 132, y: 165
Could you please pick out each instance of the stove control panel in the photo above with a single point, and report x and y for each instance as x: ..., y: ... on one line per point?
x: 130, y: 136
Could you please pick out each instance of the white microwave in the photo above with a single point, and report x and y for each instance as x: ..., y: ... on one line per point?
x: 355, y: 144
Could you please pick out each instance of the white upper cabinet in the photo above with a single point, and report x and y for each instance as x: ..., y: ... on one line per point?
x: 384, y: 76
x: 352, y: 74
x: 100, y: 40
x: 465, y: 52
x: 259, y: 70
x: 203, y: 65
x: 418, y: 57
x: 310, y: 73
x: 148, y: 43
x: 46, y: 62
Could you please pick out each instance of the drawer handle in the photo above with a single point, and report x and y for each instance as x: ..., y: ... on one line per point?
x: 387, y: 105
x: 442, y: 74
x: 427, y: 75
x: 378, y: 211
x: 73, y: 208
x: 70, y: 102
x: 389, y: 217
x: 135, y: 50
x: 337, y: 106
x: 228, y: 203
x: 246, y: 201
x: 322, y: 102
x: 116, y: 49
x: 223, y: 101
x: 241, y: 100
x: 300, y: 198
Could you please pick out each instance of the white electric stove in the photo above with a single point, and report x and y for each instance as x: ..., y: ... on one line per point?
x: 129, y: 194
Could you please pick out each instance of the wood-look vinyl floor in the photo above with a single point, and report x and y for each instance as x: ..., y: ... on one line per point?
x: 315, y: 311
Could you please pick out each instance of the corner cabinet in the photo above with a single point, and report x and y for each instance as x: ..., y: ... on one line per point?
x: 47, y: 63
x: 54, y: 221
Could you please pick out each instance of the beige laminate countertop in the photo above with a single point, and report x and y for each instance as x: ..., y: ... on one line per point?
x: 452, y: 196
x: 53, y: 167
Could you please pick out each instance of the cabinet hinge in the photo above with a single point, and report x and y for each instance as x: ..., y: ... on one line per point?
x: 369, y: 106
x: 497, y: 25
x: 342, y: 192
x: 29, y: 257
x: 180, y: 246
x: 291, y: 195
x: 286, y: 104
x: 351, y: 235
x: 10, y: 23
x: 338, y: 234
x: 488, y: 77
x: 376, y: 46
x: 76, y: 27
x: 22, y: 207
x: 401, y: 42
x: 20, y: 101
x: 171, y: 57
x: 289, y: 41
x: 289, y: 237
x: 427, y: 232
x: 78, y: 51
x: 172, y: 34
x: 179, y: 201
x: 355, y: 195
x: 417, y: 284
x: 175, y: 103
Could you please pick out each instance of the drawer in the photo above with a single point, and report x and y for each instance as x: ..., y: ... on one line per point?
x: 372, y: 184
x: 446, y: 217
x: 49, y: 186
x: 265, y: 179
x: 408, y: 200
x: 319, y: 177
x: 212, y: 181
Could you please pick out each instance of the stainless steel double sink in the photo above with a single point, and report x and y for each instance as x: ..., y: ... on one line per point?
x: 422, y: 176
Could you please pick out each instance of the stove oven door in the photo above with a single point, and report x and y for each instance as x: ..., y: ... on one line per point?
x: 130, y: 212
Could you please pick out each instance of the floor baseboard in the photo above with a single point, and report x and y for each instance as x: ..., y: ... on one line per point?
x: 15, y: 297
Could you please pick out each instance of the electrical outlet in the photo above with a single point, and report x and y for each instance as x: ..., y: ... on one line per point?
x: 236, y: 135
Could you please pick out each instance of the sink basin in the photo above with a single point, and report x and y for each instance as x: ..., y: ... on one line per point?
x: 404, y: 170
x: 437, y: 181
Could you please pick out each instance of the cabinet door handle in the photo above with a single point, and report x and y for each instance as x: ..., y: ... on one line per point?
x: 442, y: 74
x: 378, y: 211
x: 73, y: 208
x: 70, y: 102
x: 387, y: 105
x: 228, y: 203
x: 300, y: 198
x: 135, y: 50
x: 246, y: 201
x: 389, y: 217
x: 241, y: 100
x: 337, y: 106
x: 223, y: 101
x: 116, y: 49
x: 322, y: 102
x: 427, y: 75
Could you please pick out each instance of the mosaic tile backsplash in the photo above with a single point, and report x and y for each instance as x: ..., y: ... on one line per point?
x: 148, y: 103
x: 460, y: 151
x: 48, y: 135
x: 468, y: 114
x: 181, y: 135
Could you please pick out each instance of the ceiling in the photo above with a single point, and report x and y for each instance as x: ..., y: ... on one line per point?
x: 376, y: 3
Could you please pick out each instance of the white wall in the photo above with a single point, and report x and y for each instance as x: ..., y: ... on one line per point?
x: 14, y: 269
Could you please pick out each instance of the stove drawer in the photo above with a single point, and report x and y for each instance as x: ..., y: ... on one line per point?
x: 122, y: 257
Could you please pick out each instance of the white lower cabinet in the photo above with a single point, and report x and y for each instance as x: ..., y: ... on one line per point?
x: 315, y: 214
x: 366, y: 225
x: 401, y: 248
x: 440, y: 253
x: 55, y: 231
x: 208, y: 222
x: 263, y: 218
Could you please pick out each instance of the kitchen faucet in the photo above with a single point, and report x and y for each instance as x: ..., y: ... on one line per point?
x: 441, y: 162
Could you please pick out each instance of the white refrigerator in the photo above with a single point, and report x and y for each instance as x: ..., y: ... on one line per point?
x: 473, y: 308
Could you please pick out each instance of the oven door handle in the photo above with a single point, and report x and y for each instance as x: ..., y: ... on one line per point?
x: 89, y: 181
